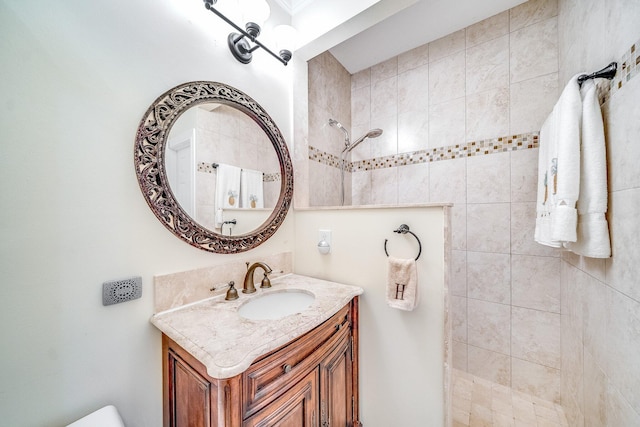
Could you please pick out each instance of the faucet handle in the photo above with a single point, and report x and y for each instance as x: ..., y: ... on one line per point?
x: 232, y: 293
x: 266, y: 283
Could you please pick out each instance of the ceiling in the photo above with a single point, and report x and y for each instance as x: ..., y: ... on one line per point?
x: 363, y: 33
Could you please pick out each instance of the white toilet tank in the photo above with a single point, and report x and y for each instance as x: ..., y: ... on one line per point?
x: 104, y: 417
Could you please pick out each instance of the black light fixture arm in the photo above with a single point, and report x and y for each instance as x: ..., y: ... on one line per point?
x: 236, y: 38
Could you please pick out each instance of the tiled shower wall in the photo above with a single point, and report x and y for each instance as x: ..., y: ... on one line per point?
x: 461, y: 116
x: 601, y: 299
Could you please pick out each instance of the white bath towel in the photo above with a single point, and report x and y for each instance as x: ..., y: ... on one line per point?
x: 227, y: 189
x: 251, y: 190
x: 593, y: 229
x: 402, y: 284
x: 559, y: 170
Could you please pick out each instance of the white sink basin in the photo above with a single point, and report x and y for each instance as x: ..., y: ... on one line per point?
x: 276, y: 305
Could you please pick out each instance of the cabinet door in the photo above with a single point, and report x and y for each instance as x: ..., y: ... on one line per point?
x: 190, y: 395
x: 336, y: 386
x: 297, y: 407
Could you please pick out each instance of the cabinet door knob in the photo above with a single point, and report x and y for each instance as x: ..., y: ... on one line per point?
x: 286, y: 368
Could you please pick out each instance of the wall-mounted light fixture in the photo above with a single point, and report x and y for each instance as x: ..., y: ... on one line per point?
x: 254, y: 14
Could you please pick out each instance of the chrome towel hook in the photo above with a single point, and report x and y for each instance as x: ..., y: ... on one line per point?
x: 404, y: 229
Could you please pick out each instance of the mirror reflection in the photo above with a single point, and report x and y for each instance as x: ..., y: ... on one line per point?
x: 222, y: 169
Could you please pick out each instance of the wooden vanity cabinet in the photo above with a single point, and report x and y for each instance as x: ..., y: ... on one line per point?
x: 311, y: 381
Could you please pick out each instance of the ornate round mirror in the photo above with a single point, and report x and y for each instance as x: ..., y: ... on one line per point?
x: 214, y: 167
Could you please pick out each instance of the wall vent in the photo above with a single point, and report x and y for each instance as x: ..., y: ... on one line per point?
x: 117, y: 291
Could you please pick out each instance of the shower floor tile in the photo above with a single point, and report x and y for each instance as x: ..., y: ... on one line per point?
x: 481, y: 403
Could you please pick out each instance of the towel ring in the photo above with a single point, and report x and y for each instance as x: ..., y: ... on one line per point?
x: 404, y: 229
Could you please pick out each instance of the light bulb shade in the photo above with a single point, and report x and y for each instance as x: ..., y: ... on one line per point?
x: 324, y: 247
x: 256, y: 11
x: 285, y: 38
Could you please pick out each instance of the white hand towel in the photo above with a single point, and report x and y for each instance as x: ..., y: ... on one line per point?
x: 227, y: 189
x: 593, y: 229
x: 402, y: 284
x: 251, y: 189
x: 559, y: 170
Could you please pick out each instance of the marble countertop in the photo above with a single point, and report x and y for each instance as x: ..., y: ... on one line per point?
x: 226, y: 343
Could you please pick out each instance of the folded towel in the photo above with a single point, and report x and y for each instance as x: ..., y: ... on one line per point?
x: 593, y: 229
x: 227, y: 189
x: 251, y: 189
x: 402, y: 284
x: 559, y: 170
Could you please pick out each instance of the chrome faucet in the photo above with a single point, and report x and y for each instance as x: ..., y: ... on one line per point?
x: 249, y: 287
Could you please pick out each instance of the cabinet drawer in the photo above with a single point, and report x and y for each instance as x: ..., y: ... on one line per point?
x: 268, y: 377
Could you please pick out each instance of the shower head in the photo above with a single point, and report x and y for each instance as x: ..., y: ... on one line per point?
x: 373, y: 133
x: 338, y: 125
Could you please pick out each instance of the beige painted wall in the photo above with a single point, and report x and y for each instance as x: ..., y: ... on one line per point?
x: 401, y: 353
x: 75, y: 81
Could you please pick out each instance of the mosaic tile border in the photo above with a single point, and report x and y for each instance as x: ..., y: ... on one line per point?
x: 628, y: 68
x: 266, y: 177
x: 470, y: 149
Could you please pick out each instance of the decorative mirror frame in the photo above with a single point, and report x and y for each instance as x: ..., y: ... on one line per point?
x: 149, y: 154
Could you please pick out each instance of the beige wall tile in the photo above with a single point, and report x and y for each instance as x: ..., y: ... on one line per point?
x: 623, y: 347
x: 487, y: 65
x: 531, y: 103
x: 489, y: 365
x: 361, y: 188
x: 535, y: 379
x: 384, y: 186
x: 384, y: 98
x: 361, y: 79
x: 596, y: 305
x: 488, y: 178
x: 459, y: 318
x: 413, y: 183
x: 531, y: 12
x: 619, y: 412
x: 622, y: 26
x: 384, y: 70
x: 534, y: 50
x: 524, y: 175
x: 447, y: 78
x: 458, y: 285
x: 582, y: 39
x: 447, y: 123
x: 623, y: 268
x: 413, y: 58
x: 536, y: 336
x: 571, y: 381
x: 413, y: 90
x: 448, y: 181
x: 488, y: 325
x: 523, y: 222
x: 622, y: 128
x: 595, y: 393
x: 413, y: 131
x: 535, y: 282
x: 488, y: 227
x: 447, y: 45
x: 460, y: 356
x: 360, y: 106
x: 489, y: 277
x: 488, y: 29
x: 487, y: 114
